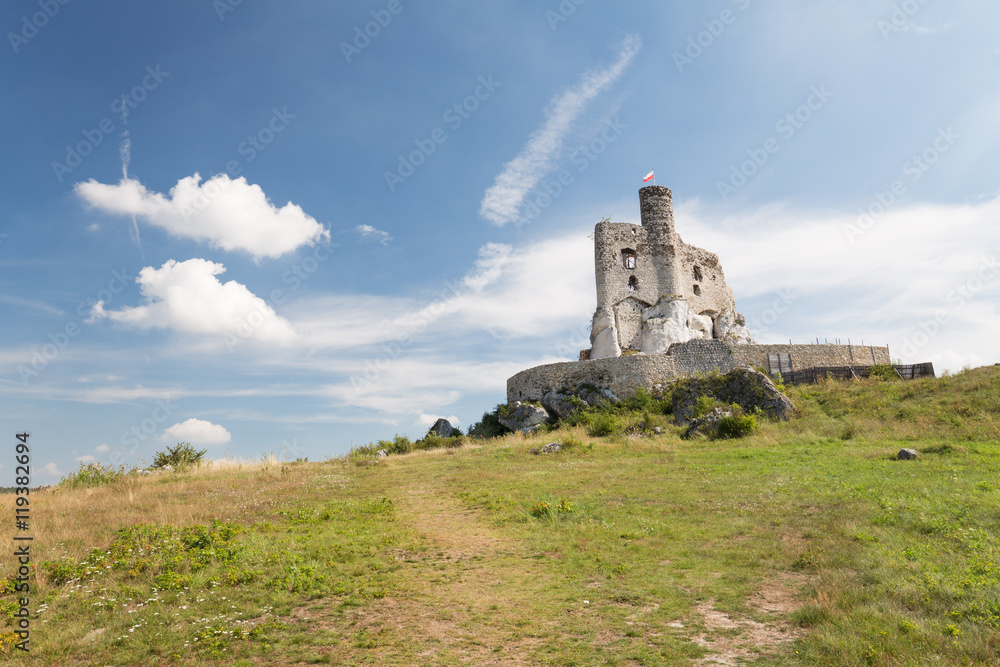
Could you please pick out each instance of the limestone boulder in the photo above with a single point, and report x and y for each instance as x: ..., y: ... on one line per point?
x: 664, y: 324
x: 707, y: 425
x: 908, y: 455
x: 749, y: 389
x: 730, y: 326
x: 559, y: 404
x: 702, y: 325
x: 443, y: 428
x: 525, y: 417
x: 604, y: 336
x: 595, y: 396
x: 606, y: 344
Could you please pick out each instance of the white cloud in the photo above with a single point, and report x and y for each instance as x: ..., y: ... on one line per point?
x: 188, y: 298
x: 86, y: 459
x: 923, y: 278
x: 503, y: 199
x: 101, y: 449
x: 197, y: 432
x: 429, y: 420
x: 52, y: 469
x: 541, y: 288
x: 369, y: 233
x: 228, y: 214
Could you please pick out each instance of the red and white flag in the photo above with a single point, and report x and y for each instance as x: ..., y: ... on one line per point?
x: 648, y: 177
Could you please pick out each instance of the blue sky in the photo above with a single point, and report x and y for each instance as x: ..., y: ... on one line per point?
x: 289, y: 227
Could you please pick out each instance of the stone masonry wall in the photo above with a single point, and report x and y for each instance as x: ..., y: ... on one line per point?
x: 623, y: 375
x: 813, y: 356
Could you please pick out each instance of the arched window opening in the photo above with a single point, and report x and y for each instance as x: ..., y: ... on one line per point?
x: 633, y: 284
x: 628, y: 259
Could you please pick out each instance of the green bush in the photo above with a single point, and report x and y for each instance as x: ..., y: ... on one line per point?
x: 179, y: 456
x: 489, y: 426
x: 737, y: 426
x: 703, y: 405
x: 602, y: 424
x: 400, y: 444
x: 883, y: 372
x: 93, y: 474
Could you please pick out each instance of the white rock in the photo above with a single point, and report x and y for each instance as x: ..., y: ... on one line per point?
x: 665, y: 324
x: 606, y: 344
x: 703, y: 325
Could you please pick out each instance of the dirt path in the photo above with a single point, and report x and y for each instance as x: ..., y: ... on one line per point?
x: 470, y: 584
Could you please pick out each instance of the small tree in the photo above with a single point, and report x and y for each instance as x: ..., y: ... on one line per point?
x: 178, y: 457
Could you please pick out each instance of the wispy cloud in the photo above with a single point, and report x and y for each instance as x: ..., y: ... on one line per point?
x: 504, y: 198
x: 369, y: 233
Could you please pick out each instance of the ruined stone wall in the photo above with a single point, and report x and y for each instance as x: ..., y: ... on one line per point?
x: 623, y: 375
x: 813, y: 356
x: 610, y: 239
x: 702, y: 282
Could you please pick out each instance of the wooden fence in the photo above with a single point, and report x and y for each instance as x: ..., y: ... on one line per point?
x: 811, y: 375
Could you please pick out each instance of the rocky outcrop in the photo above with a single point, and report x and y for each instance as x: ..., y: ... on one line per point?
x: 664, y: 324
x: 525, y: 417
x: 604, y: 334
x: 707, y: 425
x: 443, y: 428
x: 747, y: 388
x: 730, y: 326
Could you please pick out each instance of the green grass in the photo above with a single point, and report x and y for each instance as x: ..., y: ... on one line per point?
x: 621, y: 549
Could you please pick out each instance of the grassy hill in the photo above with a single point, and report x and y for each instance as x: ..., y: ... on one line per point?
x: 803, y: 544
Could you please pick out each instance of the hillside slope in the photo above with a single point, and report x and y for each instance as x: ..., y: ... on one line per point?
x: 804, y: 544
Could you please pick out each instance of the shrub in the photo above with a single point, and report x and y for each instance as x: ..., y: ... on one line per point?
x: 883, y: 372
x: 703, y: 405
x: 737, y: 426
x: 602, y: 424
x: 93, y: 474
x: 400, y: 444
x: 179, y: 456
x: 489, y: 426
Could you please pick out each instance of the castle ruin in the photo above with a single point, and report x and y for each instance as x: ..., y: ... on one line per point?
x: 664, y: 311
x: 654, y: 290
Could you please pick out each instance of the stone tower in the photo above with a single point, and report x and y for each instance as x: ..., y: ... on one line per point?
x: 653, y: 290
